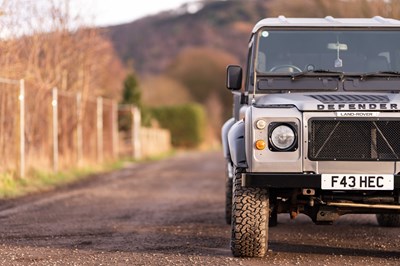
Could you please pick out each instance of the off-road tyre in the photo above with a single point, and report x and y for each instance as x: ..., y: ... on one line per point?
x: 228, y: 199
x: 388, y: 219
x: 250, y: 215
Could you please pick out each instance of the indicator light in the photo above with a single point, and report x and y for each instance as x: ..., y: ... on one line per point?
x: 260, y: 145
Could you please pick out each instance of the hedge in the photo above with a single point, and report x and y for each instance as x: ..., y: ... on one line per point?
x: 186, y: 123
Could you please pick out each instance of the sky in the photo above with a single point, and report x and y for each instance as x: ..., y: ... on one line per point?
x: 112, y: 12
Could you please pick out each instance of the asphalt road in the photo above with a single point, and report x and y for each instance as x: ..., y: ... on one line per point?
x: 171, y: 213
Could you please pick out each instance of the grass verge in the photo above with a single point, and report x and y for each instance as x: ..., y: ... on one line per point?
x: 39, y: 181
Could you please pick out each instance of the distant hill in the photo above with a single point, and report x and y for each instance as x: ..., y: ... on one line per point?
x: 151, y: 43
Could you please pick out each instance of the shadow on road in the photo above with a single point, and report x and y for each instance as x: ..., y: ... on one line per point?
x: 277, y: 246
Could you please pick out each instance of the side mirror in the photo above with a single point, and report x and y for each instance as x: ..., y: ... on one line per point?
x: 234, y: 77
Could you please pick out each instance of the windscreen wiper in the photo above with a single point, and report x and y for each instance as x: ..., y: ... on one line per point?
x: 381, y: 74
x: 317, y: 71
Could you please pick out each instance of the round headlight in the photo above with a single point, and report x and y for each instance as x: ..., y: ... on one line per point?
x: 283, y: 137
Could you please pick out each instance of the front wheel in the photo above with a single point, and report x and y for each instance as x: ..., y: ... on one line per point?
x: 388, y: 219
x: 250, y: 215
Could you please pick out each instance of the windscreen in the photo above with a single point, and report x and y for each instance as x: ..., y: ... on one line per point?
x: 348, y: 51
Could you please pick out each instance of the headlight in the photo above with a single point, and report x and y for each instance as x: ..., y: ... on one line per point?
x: 283, y: 137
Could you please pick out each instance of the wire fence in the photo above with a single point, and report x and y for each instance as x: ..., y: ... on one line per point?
x: 54, y: 130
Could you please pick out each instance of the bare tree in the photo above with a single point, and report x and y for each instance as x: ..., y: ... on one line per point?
x: 50, y: 46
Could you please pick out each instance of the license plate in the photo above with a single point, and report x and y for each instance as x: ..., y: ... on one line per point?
x: 357, y: 182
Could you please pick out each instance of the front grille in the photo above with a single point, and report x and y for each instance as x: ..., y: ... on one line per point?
x: 350, y: 140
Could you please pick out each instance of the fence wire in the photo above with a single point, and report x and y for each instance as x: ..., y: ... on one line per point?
x: 9, y: 127
x: 38, y: 127
x: 61, y: 130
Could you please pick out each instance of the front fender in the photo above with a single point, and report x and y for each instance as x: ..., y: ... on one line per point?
x: 224, y: 136
x: 236, y: 144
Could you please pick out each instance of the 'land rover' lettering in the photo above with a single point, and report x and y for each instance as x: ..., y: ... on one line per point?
x: 357, y: 114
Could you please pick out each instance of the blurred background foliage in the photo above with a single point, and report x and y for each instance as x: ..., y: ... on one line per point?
x: 176, y: 57
x: 186, y: 123
x: 131, y: 94
x: 183, y: 56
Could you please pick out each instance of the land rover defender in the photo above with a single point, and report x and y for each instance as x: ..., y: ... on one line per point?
x: 315, y: 128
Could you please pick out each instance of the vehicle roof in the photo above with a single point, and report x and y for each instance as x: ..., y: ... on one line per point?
x: 328, y: 21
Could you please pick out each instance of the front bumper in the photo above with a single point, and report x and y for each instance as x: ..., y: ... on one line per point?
x: 289, y: 180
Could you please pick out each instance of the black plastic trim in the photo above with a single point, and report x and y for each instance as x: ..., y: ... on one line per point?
x: 290, y: 180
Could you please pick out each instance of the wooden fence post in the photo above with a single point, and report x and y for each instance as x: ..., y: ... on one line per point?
x: 19, y: 127
x: 136, y: 142
x: 115, y: 147
x: 99, y: 129
x: 79, y: 141
x: 54, y: 104
x: 21, y: 99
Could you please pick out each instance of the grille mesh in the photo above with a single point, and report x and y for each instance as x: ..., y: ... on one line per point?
x: 347, y: 140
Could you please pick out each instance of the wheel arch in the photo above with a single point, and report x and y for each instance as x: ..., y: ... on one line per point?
x: 224, y: 138
x: 236, y: 142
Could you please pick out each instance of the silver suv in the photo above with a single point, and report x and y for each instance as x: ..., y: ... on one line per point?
x: 316, y: 129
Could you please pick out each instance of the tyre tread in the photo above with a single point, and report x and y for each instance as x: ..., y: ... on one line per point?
x: 250, y: 215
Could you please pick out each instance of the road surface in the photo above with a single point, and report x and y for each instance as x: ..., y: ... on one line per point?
x: 170, y: 212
